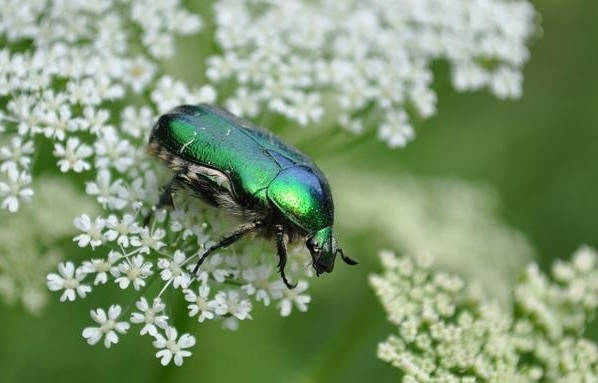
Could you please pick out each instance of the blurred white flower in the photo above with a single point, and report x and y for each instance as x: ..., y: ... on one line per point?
x: 15, y: 189
x: 453, y: 221
x: 396, y: 130
x: 293, y: 297
x: 17, y: 155
x: 73, y: 155
x: 59, y: 122
x: 106, y: 190
x: 108, y: 326
x: 260, y: 283
x: 113, y: 151
x: 231, y: 302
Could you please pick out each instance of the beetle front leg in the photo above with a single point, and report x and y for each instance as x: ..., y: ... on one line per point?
x: 165, y: 198
x: 227, y: 241
x: 282, y: 255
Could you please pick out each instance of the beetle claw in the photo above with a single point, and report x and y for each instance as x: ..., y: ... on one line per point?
x: 348, y: 260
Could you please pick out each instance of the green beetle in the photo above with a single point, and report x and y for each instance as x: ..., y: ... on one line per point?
x: 270, y: 186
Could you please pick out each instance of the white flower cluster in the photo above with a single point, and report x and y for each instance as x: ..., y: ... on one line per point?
x: 137, y: 257
x: 65, y: 63
x: 65, y: 74
x: 366, y: 60
x: 447, y: 332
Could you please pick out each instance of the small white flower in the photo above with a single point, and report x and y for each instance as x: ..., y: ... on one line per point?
x: 133, y: 271
x: 159, y: 45
x: 243, y: 104
x: 113, y: 151
x: 396, y: 130
x: 136, y: 192
x: 147, y: 240
x: 16, y: 155
x: 58, y: 123
x: 205, y: 94
x: 200, y: 303
x: 107, y: 192
x: 109, y: 327
x: 170, y: 346
x: 73, y: 155
x: 120, y: 230
x: 150, y: 316
x: 211, y: 266
x: 172, y: 269
x: 102, y: 267
x: 259, y: 283
x: 135, y: 121
x: 83, y: 92
x: 95, y: 120
x: 169, y: 93
x: 139, y: 73
x: 231, y: 302
x: 69, y: 280
x: 92, y: 231
x: 305, y: 108
x: 291, y: 296
x: 15, y: 189
x: 506, y: 83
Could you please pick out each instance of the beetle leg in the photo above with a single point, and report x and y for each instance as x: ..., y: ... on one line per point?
x: 348, y: 260
x: 165, y: 199
x: 227, y: 241
x: 282, y: 255
x: 166, y: 196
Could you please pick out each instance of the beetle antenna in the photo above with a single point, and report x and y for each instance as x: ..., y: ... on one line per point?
x: 348, y: 260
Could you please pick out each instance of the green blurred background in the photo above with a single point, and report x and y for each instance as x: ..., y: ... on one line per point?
x: 539, y: 153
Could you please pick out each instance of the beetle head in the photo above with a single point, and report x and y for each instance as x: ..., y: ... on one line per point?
x: 323, y: 249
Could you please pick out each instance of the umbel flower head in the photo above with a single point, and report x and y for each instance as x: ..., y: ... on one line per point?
x: 365, y: 61
x: 448, y: 332
x: 86, y: 80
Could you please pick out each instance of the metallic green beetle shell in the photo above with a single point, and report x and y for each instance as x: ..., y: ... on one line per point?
x: 305, y: 200
x: 263, y: 171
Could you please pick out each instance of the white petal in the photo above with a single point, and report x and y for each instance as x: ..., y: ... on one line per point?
x: 110, y: 339
x: 92, y: 334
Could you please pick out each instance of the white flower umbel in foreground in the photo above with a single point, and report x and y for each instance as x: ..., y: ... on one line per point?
x: 447, y: 332
x: 366, y: 59
x: 86, y: 80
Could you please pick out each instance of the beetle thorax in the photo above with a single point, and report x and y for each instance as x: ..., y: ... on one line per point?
x: 303, y: 198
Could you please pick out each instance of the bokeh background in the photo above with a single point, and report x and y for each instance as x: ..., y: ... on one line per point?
x: 539, y: 154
